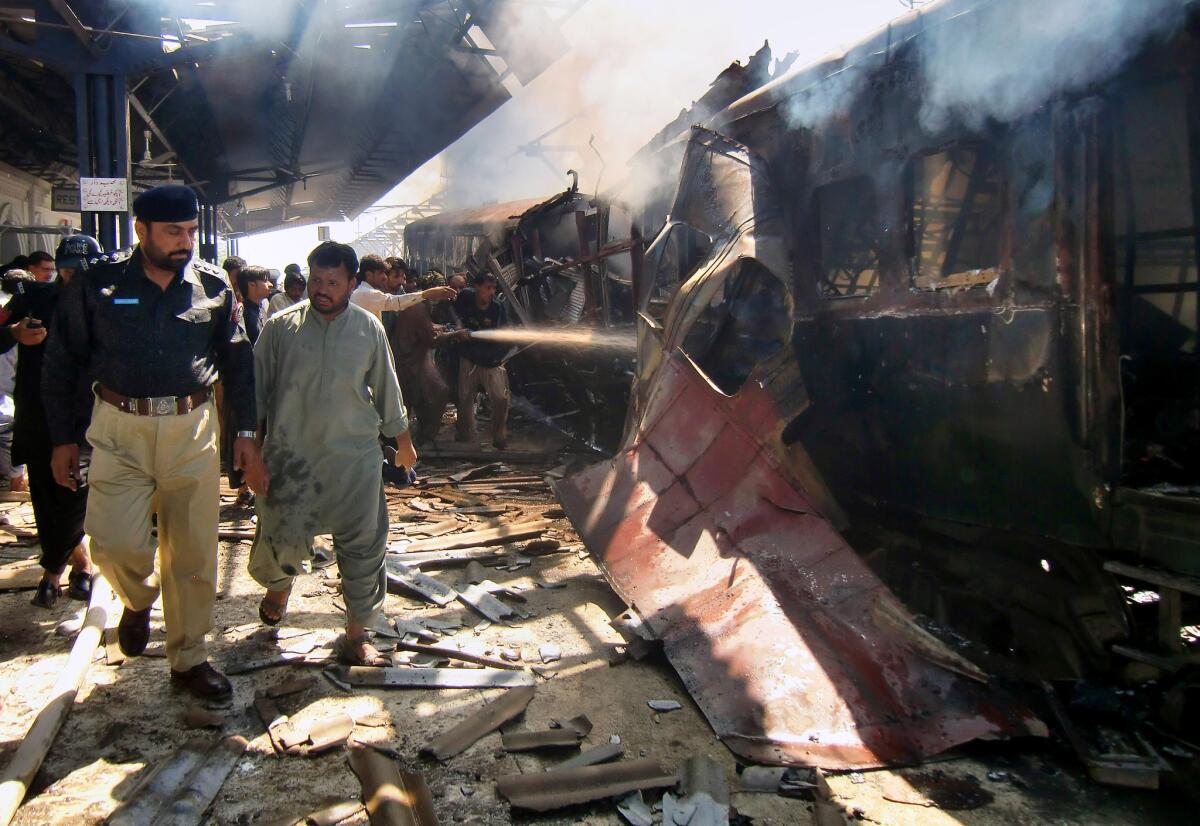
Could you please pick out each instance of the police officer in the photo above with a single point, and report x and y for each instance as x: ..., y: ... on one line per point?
x: 154, y: 332
x: 57, y: 511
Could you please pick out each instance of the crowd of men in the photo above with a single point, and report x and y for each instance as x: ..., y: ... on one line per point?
x: 126, y: 379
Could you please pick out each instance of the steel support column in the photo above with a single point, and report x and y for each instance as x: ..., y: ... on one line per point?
x: 206, y: 235
x: 102, y: 135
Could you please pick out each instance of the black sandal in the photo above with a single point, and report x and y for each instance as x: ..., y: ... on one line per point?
x: 46, y: 595
x: 79, y: 586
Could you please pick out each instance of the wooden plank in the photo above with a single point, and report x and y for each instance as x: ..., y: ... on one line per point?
x: 457, y: 498
x: 19, y: 773
x: 449, y: 559
x: 1165, y: 579
x: 20, y: 576
x: 491, y: 536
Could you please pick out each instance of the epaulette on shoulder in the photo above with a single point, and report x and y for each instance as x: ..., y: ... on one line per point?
x: 115, y: 257
x: 206, y: 268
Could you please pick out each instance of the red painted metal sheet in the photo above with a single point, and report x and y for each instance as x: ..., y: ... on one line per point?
x: 792, y: 647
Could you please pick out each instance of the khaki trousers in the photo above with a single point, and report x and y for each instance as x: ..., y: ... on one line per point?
x: 168, y: 464
x: 494, y: 382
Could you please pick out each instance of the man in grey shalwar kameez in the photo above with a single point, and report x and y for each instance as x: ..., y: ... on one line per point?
x: 326, y: 390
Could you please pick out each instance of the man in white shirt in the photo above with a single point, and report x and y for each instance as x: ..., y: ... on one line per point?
x: 370, y: 294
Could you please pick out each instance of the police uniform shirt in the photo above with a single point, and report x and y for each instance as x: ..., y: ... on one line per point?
x: 142, y: 341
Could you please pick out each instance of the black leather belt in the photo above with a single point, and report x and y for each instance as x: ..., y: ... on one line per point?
x: 154, y: 405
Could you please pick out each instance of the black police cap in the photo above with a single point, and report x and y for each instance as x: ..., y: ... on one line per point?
x: 170, y: 203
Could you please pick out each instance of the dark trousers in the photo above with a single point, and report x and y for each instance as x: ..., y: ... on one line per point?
x: 58, y: 512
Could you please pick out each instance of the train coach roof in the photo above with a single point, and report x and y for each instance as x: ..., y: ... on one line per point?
x: 881, y: 47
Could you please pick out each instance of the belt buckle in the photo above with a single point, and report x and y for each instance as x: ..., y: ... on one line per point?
x: 161, y: 405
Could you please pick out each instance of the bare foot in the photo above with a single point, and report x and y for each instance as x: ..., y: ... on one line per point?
x: 357, y: 650
x: 273, y: 607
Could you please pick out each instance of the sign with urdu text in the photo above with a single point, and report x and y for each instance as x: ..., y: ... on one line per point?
x: 104, y: 194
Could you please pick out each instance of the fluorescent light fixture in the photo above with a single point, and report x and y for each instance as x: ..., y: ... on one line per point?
x: 302, y: 203
x: 362, y: 45
x: 391, y: 24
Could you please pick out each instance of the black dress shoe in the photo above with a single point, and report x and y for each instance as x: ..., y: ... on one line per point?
x: 133, y: 631
x: 79, y: 586
x: 202, y: 681
x: 46, y: 595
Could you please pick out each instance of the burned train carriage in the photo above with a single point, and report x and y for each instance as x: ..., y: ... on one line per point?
x: 564, y: 261
x: 981, y: 330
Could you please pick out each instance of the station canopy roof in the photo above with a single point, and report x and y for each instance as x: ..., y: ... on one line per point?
x: 281, y: 113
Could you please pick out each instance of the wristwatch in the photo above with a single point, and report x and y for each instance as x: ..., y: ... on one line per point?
x: 247, y: 434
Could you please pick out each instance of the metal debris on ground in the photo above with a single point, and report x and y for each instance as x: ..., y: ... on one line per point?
x: 723, y: 548
x: 489, y: 718
x: 411, y: 580
x: 664, y: 705
x: 183, y: 786
x: 328, y: 814
x: 414, y: 629
x: 554, y: 738
x: 475, y: 573
x: 431, y: 677
x: 392, y: 797
x: 580, y: 724
x: 479, y: 598
x: 544, y: 791
x: 590, y: 757
x: 704, y: 795
x: 327, y: 733
x: 633, y: 808
x: 452, y: 653
x: 246, y: 666
x: 764, y: 779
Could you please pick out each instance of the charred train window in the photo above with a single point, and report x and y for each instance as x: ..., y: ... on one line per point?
x: 675, y: 256
x: 957, y: 217
x: 1154, y: 232
x: 746, y: 322
x: 1154, y: 221
x: 848, y: 233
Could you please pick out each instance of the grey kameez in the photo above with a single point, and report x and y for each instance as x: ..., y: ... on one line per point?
x: 327, y: 390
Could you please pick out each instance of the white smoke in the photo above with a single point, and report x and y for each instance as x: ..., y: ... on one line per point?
x: 1002, y: 60
x: 632, y: 68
